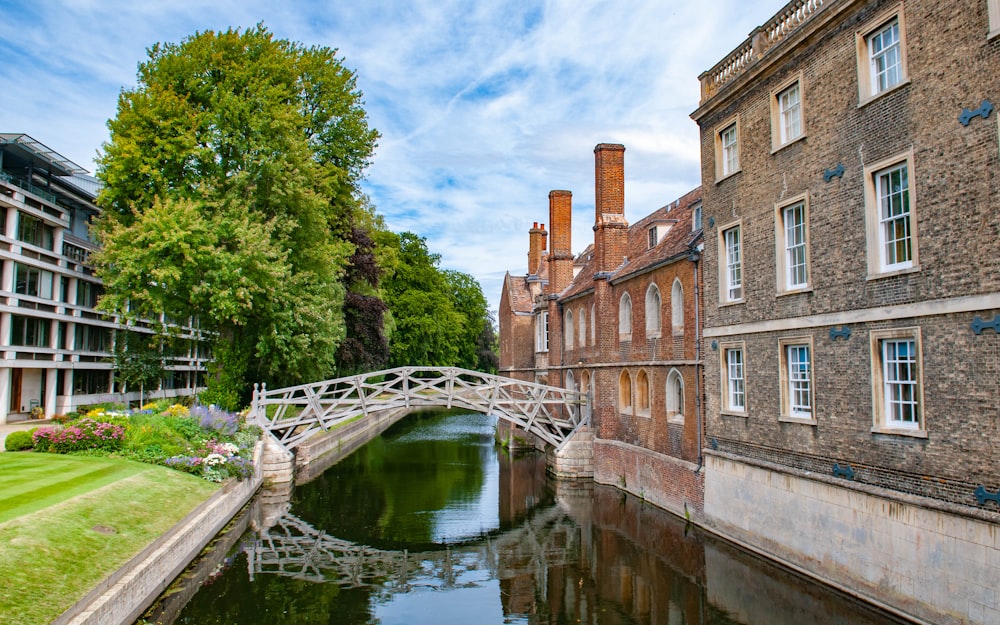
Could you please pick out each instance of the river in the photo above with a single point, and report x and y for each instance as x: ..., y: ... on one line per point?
x: 432, y: 523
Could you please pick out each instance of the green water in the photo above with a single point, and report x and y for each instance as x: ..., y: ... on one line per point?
x: 433, y: 524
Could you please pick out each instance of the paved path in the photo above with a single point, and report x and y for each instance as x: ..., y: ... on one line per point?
x: 7, y: 428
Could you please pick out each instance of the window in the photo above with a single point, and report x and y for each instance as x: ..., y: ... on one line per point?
x: 896, y: 375
x: 993, y: 6
x: 696, y: 214
x: 625, y: 392
x: 583, y: 326
x: 542, y: 332
x: 796, y: 379
x: 651, y: 237
x: 91, y: 382
x: 653, y: 302
x: 677, y: 307
x: 568, y: 330
x: 727, y: 151
x: 675, y: 396
x: 731, y: 267
x: 35, y: 231
x: 892, y: 224
x: 32, y: 281
x: 29, y: 331
x: 792, y: 238
x: 91, y: 338
x: 87, y: 293
x: 593, y: 326
x: 642, y: 393
x: 625, y: 318
x: 733, y: 379
x: 786, y: 114
x: 882, y: 56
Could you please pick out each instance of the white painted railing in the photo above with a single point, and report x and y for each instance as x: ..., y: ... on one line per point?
x: 294, y: 414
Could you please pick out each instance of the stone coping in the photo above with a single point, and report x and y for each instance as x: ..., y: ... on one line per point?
x: 121, y: 597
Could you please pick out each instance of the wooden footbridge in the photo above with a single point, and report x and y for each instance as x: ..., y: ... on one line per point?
x: 294, y: 414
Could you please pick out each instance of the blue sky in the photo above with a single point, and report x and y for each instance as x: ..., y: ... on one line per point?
x: 484, y: 106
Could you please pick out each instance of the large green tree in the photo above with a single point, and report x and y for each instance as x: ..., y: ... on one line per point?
x: 231, y: 192
x: 439, y: 315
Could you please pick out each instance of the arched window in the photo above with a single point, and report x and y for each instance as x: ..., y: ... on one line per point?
x: 677, y: 307
x: 585, y: 381
x: 593, y: 326
x: 570, y: 381
x: 625, y: 392
x: 642, y: 393
x: 675, y: 396
x: 583, y: 326
x: 625, y: 318
x: 569, y: 329
x: 652, y: 311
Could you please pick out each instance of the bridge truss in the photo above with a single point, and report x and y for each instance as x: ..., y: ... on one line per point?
x: 294, y: 414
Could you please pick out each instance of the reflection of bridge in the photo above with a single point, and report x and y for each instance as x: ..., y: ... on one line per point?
x: 295, y: 413
x: 293, y: 548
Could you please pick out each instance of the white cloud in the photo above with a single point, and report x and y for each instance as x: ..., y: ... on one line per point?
x: 483, y: 107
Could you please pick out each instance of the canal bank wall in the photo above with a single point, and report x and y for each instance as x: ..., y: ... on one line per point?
x: 125, y: 594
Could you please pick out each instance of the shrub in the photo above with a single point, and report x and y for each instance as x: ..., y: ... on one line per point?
x: 79, y: 436
x: 18, y: 441
x: 216, y: 420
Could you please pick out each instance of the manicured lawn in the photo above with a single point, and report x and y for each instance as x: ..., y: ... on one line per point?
x: 66, y: 522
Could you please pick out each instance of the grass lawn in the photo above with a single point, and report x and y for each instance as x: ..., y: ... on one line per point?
x: 66, y: 522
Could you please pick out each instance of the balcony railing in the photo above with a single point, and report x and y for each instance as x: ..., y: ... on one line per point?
x: 762, y: 39
x: 27, y: 186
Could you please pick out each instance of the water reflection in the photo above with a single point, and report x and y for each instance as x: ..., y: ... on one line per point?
x: 431, y: 524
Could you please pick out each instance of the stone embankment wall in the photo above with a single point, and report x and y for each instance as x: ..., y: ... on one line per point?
x: 927, y: 562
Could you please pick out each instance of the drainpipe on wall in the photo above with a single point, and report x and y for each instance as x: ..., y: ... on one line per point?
x: 699, y: 418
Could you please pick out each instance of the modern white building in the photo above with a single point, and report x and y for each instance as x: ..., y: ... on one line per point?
x: 56, y: 349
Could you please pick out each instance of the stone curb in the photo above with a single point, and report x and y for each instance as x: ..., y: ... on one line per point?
x: 121, y: 598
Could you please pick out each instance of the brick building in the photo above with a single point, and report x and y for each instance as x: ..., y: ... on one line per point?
x: 619, y: 321
x: 852, y: 360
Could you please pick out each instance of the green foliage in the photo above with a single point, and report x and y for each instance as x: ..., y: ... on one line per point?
x: 438, y: 315
x: 18, y: 441
x: 231, y: 187
x: 137, y: 360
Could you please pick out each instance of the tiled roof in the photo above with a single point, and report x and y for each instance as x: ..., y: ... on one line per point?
x: 639, y: 256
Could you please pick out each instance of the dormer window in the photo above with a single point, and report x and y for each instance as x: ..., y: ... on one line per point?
x: 653, y: 239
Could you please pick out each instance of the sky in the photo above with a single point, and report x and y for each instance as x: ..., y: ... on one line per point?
x: 484, y: 106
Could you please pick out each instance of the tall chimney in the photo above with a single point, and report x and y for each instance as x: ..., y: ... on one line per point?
x: 610, y: 227
x: 536, y: 245
x: 561, y: 254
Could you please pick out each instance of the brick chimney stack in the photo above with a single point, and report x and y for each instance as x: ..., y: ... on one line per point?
x: 561, y: 254
x: 610, y: 227
x: 537, y: 241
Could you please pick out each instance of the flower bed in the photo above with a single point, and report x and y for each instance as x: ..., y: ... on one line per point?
x: 205, y: 441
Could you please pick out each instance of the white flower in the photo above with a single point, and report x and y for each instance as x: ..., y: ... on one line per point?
x: 215, y: 459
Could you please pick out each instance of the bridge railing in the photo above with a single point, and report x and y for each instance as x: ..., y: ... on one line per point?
x: 295, y: 413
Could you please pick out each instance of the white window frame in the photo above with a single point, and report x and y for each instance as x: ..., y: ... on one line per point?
x: 675, y: 396
x: 792, y: 246
x: 787, y: 117
x: 654, y: 312
x: 734, y: 378
x: 568, y: 330
x: 581, y: 323
x: 897, y: 382
x: 593, y: 325
x: 696, y: 213
x: 542, y: 332
x: 730, y: 269
x: 727, y: 148
x: 993, y: 8
x: 625, y: 317
x: 652, y: 237
x: 677, y: 307
x: 796, y: 380
x: 873, y: 50
x: 879, y: 220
